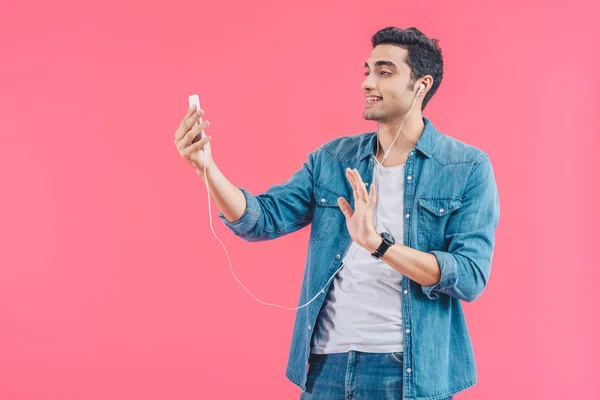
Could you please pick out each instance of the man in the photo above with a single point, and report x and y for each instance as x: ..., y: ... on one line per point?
x: 403, y: 225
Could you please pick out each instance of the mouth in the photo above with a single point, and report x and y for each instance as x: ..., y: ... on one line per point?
x: 372, y: 100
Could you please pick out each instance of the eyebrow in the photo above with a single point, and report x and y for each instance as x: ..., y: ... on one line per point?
x: 383, y: 63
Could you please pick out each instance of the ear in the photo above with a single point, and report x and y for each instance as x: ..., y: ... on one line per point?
x: 426, y: 82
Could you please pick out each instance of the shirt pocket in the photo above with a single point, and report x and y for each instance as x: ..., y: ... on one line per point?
x: 434, y: 213
x: 328, y: 214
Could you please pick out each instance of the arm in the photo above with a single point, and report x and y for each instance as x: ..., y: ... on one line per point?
x: 464, y: 269
x: 417, y: 265
x: 282, y: 209
x: 230, y: 200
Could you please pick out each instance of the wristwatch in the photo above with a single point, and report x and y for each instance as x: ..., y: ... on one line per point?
x: 388, y: 240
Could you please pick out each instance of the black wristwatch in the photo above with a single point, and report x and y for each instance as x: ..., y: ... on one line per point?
x: 388, y: 240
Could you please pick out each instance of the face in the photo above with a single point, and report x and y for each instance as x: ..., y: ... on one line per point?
x: 387, y: 78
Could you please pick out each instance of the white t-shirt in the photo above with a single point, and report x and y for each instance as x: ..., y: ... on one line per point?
x: 363, y: 308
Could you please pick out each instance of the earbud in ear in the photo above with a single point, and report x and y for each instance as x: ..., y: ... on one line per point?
x: 422, y: 86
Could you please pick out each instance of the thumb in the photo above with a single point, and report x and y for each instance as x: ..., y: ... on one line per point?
x: 345, y: 207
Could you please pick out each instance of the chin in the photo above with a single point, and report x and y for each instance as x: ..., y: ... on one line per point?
x: 371, y: 116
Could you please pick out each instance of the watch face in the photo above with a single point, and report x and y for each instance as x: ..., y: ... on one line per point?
x: 388, y: 238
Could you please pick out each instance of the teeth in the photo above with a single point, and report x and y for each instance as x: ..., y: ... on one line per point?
x: 373, y: 98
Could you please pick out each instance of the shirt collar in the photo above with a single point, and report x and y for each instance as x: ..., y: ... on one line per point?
x: 426, y: 143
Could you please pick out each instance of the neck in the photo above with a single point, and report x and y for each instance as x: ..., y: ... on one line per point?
x: 407, y: 139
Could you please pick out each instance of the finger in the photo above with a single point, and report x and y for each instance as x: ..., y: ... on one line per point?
x: 189, y: 113
x: 372, y: 195
x: 357, y: 185
x: 192, y: 119
x: 191, y: 135
x: 345, y: 207
x: 190, y: 150
x: 188, y: 138
x: 350, y: 177
x: 362, y: 190
x: 196, y: 147
x: 186, y: 124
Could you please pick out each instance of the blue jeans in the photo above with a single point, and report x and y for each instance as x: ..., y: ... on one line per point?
x: 354, y: 376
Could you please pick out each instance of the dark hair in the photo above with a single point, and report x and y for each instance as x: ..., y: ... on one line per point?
x: 424, y: 56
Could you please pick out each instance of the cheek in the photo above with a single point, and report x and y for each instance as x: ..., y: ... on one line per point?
x: 392, y: 100
x: 396, y: 100
x: 390, y: 93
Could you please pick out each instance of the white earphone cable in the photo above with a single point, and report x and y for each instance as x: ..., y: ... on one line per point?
x: 322, y: 291
x: 387, y: 153
x: 231, y: 266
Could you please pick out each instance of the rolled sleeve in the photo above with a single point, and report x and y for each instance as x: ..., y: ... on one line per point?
x: 465, y: 265
x: 449, y: 275
x: 248, y: 218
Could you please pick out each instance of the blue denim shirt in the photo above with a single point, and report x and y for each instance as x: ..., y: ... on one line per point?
x: 451, y: 210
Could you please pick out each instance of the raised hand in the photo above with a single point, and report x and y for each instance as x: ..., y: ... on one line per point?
x: 189, y: 144
x: 359, y: 222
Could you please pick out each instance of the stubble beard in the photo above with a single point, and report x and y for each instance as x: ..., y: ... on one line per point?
x: 384, y: 116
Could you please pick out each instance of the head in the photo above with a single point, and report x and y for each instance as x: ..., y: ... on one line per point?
x: 401, y: 60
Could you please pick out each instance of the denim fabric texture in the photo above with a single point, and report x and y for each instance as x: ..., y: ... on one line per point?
x: 451, y: 210
x: 355, y: 375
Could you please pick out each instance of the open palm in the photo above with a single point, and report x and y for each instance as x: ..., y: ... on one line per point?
x: 359, y: 222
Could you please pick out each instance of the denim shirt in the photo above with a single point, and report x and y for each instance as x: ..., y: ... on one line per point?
x: 451, y: 210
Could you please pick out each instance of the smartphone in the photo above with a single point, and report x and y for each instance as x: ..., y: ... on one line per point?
x: 195, y: 100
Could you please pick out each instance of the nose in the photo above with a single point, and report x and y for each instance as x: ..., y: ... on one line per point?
x: 367, y: 84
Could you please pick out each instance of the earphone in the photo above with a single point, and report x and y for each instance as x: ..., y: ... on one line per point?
x: 322, y: 291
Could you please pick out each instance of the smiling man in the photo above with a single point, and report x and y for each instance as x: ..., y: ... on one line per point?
x: 403, y: 224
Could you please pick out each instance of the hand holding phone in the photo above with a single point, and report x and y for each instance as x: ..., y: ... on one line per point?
x: 190, y: 139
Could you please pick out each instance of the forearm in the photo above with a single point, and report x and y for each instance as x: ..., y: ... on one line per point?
x: 437, y: 271
x: 418, y: 266
x: 229, y: 198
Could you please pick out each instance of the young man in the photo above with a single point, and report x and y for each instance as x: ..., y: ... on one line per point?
x: 403, y: 225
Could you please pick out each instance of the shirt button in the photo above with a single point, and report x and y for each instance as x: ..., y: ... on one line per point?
x: 337, y: 256
x: 407, y: 216
x: 366, y: 183
x: 441, y: 210
x: 323, y: 200
x: 406, y: 291
x: 408, y: 331
x: 409, y: 177
x: 408, y: 370
x: 309, y: 327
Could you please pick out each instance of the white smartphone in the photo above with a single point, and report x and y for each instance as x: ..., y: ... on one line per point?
x: 195, y: 100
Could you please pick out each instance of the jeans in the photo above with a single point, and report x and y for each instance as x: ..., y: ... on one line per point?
x: 354, y: 376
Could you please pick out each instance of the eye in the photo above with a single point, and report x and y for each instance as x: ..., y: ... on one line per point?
x: 367, y: 73
x: 385, y: 73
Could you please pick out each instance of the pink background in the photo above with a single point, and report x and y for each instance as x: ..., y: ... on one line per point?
x: 112, y: 285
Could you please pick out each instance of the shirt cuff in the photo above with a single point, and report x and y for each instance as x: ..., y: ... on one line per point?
x: 248, y: 218
x: 448, y: 272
